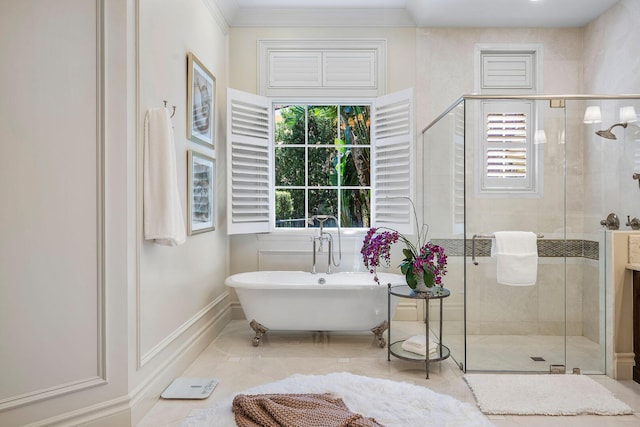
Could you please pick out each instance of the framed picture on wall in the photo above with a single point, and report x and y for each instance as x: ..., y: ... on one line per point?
x: 201, y: 196
x: 201, y: 95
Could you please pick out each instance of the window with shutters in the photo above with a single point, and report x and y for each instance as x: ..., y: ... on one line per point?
x: 507, y: 161
x: 329, y: 140
x: 291, y: 160
x: 507, y: 150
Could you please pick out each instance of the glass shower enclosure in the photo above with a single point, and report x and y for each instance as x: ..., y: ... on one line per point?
x: 545, y: 164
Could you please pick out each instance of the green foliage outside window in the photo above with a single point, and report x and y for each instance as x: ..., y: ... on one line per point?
x: 322, y: 161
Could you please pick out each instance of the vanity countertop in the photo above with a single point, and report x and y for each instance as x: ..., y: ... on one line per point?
x: 635, y: 267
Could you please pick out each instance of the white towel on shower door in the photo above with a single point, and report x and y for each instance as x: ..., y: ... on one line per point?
x: 163, y: 220
x: 517, y: 257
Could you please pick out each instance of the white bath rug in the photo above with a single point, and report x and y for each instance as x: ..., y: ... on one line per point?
x: 543, y: 395
x: 391, y: 403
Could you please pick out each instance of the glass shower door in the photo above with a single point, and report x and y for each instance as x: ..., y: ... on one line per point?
x: 514, y: 181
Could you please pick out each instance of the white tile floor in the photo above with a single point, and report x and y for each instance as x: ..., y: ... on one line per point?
x: 515, y: 352
x: 238, y: 365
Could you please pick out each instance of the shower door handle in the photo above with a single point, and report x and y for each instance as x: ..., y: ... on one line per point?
x: 473, y: 249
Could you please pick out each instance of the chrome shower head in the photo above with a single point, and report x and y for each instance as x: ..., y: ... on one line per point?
x: 606, y: 133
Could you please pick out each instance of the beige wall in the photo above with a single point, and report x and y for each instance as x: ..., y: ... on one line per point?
x: 63, y: 321
x: 152, y: 309
x: 401, y: 70
x: 182, y: 301
x: 598, y: 172
x: 445, y: 62
x: 446, y: 59
x: 444, y: 70
x: 293, y: 252
x: 611, y: 67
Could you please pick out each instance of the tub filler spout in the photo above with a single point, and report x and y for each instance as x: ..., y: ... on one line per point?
x: 319, y: 240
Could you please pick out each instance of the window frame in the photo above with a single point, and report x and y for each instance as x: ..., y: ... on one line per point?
x: 316, y: 101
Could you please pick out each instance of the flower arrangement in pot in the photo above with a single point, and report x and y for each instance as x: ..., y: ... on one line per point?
x: 423, y: 265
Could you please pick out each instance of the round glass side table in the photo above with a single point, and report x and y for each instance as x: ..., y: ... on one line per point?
x: 395, y: 348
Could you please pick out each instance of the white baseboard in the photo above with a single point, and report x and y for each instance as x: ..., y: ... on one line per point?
x: 145, y: 395
x: 236, y: 311
x: 104, y: 414
x: 129, y: 410
x: 623, y: 364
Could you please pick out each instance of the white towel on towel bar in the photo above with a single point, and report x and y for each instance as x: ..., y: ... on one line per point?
x: 163, y: 220
x: 517, y: 257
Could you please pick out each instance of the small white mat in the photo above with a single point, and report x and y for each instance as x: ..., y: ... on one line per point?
x: 543, y: 395
x: 391, y: 403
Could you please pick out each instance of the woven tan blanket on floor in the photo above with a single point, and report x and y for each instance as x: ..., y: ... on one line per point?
x: 296, y: 410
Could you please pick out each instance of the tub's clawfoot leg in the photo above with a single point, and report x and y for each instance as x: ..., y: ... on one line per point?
x: 259, y: 330
x: 378, y: 331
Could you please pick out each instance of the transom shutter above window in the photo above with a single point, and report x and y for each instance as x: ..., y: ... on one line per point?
x: 295, y: 69
x: 322, y: 68
x: 507, y: 71
x: 350, y: 68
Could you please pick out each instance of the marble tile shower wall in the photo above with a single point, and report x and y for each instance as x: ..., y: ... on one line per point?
x: 495, y: 309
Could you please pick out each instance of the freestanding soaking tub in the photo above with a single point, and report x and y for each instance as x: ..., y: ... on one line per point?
x: 301, y: 301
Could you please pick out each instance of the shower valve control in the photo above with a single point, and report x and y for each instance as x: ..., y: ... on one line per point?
x: 633, y: 223
x: 611, y: 223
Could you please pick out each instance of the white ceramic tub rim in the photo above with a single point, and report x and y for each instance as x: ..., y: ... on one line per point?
x: 305, y: 280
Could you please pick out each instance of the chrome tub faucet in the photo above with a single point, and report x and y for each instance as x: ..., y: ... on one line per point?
x: 318, y: 242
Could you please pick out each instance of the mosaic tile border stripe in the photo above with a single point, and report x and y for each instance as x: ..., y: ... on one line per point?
x: 549, y: 248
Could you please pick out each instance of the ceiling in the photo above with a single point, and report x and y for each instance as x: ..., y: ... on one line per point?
x: 408, y: 13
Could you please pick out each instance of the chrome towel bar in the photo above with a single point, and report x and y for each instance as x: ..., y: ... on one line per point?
x: 485, y: 236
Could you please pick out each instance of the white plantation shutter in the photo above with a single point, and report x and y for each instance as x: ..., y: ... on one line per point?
x: 507, y: 70
x: 295, y: 69
x: 507, y: 145
x: 249, y: 163
x: 392, y: 147
x: 321, y: 68
x: 349, y: 69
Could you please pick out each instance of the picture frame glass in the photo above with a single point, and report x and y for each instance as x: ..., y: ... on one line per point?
x: 201, y: 193
x: 201, y: 100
